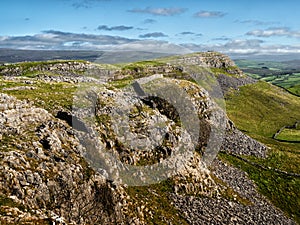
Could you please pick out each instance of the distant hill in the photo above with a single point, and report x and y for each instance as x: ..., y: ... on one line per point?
x: 16, y: 55
x: 273, y: 57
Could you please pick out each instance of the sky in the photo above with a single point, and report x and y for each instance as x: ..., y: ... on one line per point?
x: 229, y: 26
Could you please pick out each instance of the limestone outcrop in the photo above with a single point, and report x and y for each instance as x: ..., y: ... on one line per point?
x: 84, y: 166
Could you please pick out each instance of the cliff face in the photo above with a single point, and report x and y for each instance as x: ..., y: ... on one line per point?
x: 85, y: 165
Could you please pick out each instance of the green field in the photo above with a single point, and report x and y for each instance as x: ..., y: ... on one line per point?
x: 260, y: 110
x: 295, y: 90
x: 290, y: 135
x: 282, y: 74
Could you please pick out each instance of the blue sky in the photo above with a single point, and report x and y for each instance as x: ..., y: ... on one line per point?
x: 229, y: 26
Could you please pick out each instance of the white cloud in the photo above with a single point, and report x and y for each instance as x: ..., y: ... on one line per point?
x: 3, y: 38
x: 154, y: 46
x: 153, y: 35
x: 256, y: 22
x: 85, y: 3
x: 159, y: 11
x: 274, y: 31
x: 115, y: 28
x: 252, y: 46
x: 52, y: 39
x: 209, y: 14
x: 45, y: 36
x: 149, y: 21
x: 57, y: 40
x: 222, y: 38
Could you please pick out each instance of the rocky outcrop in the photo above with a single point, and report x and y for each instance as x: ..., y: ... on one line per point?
x: 65, y: 71
x: 174, y: 68
x: 81, y: 167
x: 55, y: 67
x: 227, y: 83
x: 42, y: 169
x: 213, y: 60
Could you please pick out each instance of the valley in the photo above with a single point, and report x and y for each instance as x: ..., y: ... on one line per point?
x: 284, y: 74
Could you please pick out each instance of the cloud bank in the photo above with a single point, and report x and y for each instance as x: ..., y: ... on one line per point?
x: 209, y: 14
x: 58, y: 40
x: 274, y: 31
x: 245, y: 47
x: 153, y: 35
x: 159, y: 11
x: 256, y: 22
x: 115, y: 28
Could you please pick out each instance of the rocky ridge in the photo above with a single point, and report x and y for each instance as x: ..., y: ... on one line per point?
x: 49, y: 173
x: 67, y: 67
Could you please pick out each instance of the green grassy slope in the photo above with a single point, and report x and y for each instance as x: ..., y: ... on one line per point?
x: 260, y: 110
x: 48, y: 95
